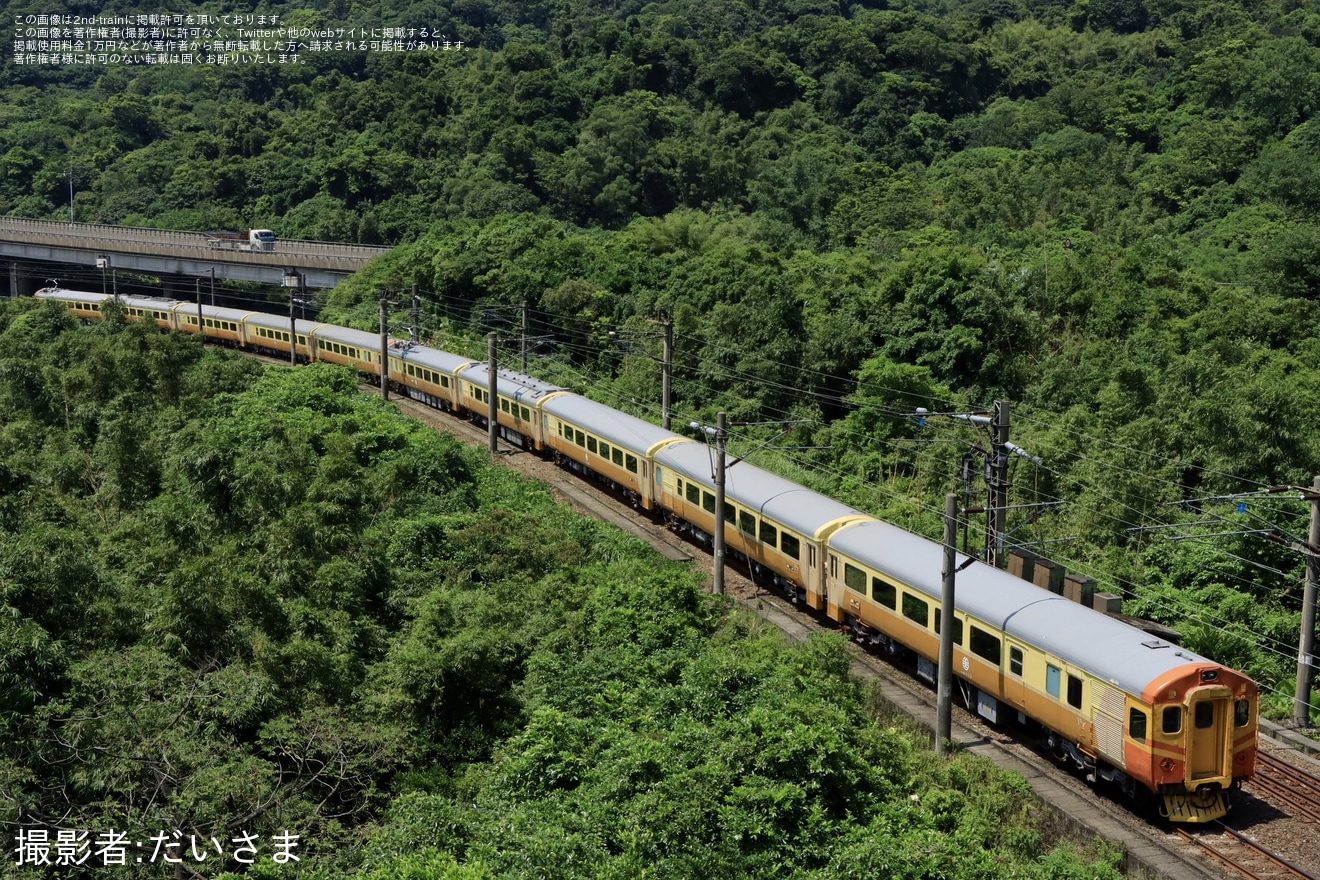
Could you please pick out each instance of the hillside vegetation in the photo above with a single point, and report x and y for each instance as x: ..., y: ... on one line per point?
x: 1103, y: 211
x: 245, y: 601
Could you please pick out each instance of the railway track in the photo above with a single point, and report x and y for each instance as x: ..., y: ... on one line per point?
x: 1243, y: 855
x: 1285, y: 785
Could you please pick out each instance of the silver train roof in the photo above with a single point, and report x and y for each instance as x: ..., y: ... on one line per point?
x: 429, y: 357
x: 524, y: 387
x: 274, y: 322
x: 795, y: 506
x: 349, y: 336
x: 1128, y: 657
x: 609, y: 424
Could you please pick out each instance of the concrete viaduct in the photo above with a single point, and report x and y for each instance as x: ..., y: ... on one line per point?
x: 310, y: 264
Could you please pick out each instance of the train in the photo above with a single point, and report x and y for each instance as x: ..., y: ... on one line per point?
x: 1124, y: 706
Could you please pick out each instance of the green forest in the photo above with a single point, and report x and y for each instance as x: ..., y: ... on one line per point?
x: 242, y: 602
x: 1102, y: 211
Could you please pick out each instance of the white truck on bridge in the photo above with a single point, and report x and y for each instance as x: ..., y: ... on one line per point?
x: 252, y: 240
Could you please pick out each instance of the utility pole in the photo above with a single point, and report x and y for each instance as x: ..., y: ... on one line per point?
x: 212, y: 285
x: 385, y: 346
x: 415, y: 318
x: 721, y: 437
x: 523, y: 340
x: 944, y: 691
x: 996, y: 474
x: 492, y: 414
x: 666, y: 320
x: 201, y: 326
x: 998, y: 483
x: 1306, y: 644
x: 293, y: 324
x: 667, y: 369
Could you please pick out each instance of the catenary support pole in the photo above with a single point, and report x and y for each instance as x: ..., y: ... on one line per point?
x: 201, y: 325
x: 667, y: 370
x: 1306, y: 644
x: 493, y: 414
x: 944, y: 692
x: 385, y: 347
x: 523, y: 340
x: 998, y: 513
x: 415, y: 318
x: 720, y: 439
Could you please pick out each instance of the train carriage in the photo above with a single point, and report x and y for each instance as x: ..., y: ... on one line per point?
x: 613, y: 445
x: 153, y: 309
x: 270, y: 333
x: 1115, y: 700
x: 520, y: 396
x: 773, y: 522
x: 351, y: 348
x: 81, y: 304
x: 223, y: 325
x: 426, y: 374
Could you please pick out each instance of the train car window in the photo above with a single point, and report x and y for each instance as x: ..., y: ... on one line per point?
x: 957, y: 627
x: 444, y: 381
x: 728, y: 513
x: 811, y: 555
x: 616, y: 456
x: 746, y: 522
x: 768, y: 534
x: 1074, y: 692
x: 1137, y: 725
x: 694, y: 494
x: 884, y: 593
x: 579, y: 438
x: 854, y: 578
x: 916, y: 610
x: 788, y: 545
x: 504, y: 407
x: 527, y: 415
x: 630, y: 462
x: 708, y: 502
x: 1205, y: 715
x: 605, y: 454
x: 591, y: 444
x: 1053, y: 675
x: 1242, y: 712
x: 986, y: 646
x: 834, y: 565
x: 302, y: 340
x: 1172, y: 719
x: 1015, y: 661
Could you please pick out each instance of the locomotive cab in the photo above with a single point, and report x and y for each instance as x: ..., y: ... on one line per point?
x: 1205, y: 741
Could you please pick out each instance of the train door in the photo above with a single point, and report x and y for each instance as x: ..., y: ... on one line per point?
x: 1206, y: 741
x: 815, y: 577
x: 1014, y: 672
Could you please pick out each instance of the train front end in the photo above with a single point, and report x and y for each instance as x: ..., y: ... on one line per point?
x: 1205, y: 724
